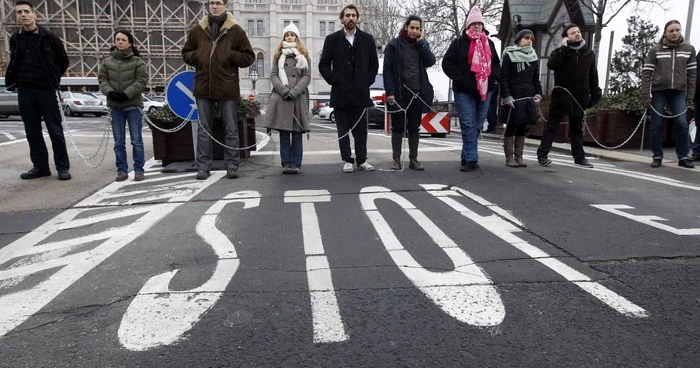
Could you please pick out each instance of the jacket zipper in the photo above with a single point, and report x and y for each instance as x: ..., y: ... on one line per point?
x: 673, y: 67
x: 211, y: 54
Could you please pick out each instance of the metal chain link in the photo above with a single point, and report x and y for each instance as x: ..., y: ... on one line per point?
x: 103, y: 143
x: 171, y: 130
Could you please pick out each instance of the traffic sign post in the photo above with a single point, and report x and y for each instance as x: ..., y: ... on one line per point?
x: 180, y: 98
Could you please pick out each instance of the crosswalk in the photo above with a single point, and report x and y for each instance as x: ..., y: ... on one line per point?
x: 305, y: 225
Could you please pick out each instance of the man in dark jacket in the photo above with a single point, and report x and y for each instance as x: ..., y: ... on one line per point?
x: 696, y: 144
x: 575, y: 70
x: 405, y: 61
x: 217, y: 47
x: 37, y: 62
x: 349, y: 63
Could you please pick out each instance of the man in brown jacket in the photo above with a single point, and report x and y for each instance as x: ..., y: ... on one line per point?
x: 217, y: 47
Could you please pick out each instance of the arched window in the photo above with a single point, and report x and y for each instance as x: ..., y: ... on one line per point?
x: 259, y: 65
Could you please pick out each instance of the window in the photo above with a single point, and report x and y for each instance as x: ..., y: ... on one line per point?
x: 296, y: 23
x: 291, y: 1
x: 256, y: 27
x: 327, y: 2
x: 325, y: 28
x: 259, y: 65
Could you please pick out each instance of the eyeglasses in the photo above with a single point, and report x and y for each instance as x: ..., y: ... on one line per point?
x: 216, y: 3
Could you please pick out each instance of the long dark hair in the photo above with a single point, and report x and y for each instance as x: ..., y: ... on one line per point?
x: 129, y: 37
x: 668, y: 24
x: 411, y: 18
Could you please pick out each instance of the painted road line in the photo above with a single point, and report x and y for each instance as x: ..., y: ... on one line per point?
x: 327, y: 321
x: 650, y: 220
x: 159, y: 316
x: 466, y: 293
x: 505, y: 230
x: 17, y: 307
x: 10, y: 136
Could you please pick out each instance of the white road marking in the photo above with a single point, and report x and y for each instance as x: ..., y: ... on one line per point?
x: 505, y: 230
x: 650, y: 220
x: 327, y: 321
x: 10, y: 136
x: 465, y: 293
x: 19, y: 306
x: 159, y: 316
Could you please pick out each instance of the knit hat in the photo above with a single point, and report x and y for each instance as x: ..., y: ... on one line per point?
x: 522, y: 34
x: 291, y: 28
x: 474, y: 17
x: 565, y: 33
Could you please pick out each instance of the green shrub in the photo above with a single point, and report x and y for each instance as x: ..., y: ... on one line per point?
x: 165, y: 118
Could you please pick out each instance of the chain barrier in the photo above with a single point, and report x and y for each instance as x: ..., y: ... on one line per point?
x: 103, y: 143
x: 171, y: 130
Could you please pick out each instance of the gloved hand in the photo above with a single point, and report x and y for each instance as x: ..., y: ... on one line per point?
x: 646, y: 104
x: 118, y: 96
x: 509, y: 101
x: 538, y: 99
x: 287, y: 96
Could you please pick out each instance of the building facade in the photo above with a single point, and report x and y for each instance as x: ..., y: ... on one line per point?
x: 160, y: 29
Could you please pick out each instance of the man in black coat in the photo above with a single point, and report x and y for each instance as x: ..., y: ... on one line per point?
x: 37, y: 62
x: 349, y: 64
x: 575, y: 70
x: 696, y: 144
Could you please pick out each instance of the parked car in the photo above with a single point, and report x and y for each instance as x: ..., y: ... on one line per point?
x: 98, y: 95
x: 151, y: 105
x: 158, y: 99
x: 74, y: 103
x: 326, y: 112
x: 9, y: 104
x: 375, y: 115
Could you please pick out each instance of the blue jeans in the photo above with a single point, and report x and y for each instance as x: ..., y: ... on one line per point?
x: 119, y: 120
x: 696, y: 144
x: 472, y: 113
x: 291, y: 148
x: 676, y: 100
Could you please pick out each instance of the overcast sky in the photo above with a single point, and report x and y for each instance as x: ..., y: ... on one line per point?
x: 677, y: 9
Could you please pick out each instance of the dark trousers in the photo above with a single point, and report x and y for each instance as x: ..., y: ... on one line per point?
x: 229, y: 117
x: 491, y: 116
x: 345, y: 119
x: 696, y: 144
x: 575, y: 131
x: 513, y: 129
x: 35, y: 104
x: 406, y: 121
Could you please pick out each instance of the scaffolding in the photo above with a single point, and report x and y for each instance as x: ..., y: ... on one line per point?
x: 87, y: 29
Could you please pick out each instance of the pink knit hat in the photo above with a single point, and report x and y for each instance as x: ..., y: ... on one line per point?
x: 474, y: 16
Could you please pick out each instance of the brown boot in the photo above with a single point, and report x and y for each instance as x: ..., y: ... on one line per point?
x: 415, y: 165
x: 508, y: 150
x: 519, y: 148
x: 397, y: 164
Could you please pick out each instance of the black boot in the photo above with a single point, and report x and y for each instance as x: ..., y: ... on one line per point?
x: 413, y: 139
x: 396, y: 138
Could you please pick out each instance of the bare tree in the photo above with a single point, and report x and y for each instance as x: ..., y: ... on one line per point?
x: 382, y: 19
x: 605, y: 11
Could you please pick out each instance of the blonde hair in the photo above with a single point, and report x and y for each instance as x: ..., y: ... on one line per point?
x: 300, y: 47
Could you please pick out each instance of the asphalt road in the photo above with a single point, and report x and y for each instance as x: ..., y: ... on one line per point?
x: 557, y: 266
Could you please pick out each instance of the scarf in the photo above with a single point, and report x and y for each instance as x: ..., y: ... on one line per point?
x: 480, y: 60
x: 578, y: 46
x: 672, y: 44
x: 522, y: 56
x: 404, y: 34
x: 215, y: 22
x: 290, y: 49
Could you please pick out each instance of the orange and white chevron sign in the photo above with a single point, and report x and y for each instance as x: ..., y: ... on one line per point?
x: 435, y: 122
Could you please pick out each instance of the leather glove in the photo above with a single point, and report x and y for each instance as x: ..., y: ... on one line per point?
x: 287, y: 96
x: 118, y: 96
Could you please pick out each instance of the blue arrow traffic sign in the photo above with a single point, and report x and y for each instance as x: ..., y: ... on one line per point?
x: 179, y: 95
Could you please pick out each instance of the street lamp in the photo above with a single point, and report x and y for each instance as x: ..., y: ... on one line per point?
x: 254, y: 78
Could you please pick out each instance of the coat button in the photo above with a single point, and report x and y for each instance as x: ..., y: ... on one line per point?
x: 293, y: 76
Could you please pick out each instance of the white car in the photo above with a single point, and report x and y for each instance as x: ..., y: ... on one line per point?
x: 151, y: 105
x: 326, y: 112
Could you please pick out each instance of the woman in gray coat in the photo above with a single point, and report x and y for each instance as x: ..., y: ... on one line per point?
x: 289, y: 103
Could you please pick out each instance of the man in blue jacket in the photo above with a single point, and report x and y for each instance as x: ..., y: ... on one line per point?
x: 405, y: 61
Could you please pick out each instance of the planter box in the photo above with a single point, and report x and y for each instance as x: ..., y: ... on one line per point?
x: 178, y: 146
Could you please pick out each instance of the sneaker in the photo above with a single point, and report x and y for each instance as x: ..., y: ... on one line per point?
x: 583, y: 162
x: 231, y: 173
x: 139, y: 177
x: 287, y: 170
x: 397, y: 166
x: 347, y: 167
x: 295, y: 170
x: 35, y: 173
x: 686, y: 163
x: 415, y: 165
x: 656, y: 162
x: 202, y: 174
x: 543, y: 161
x: 474, y: 165
x: 366, y: 166
x: 121, y: 177
x: 64, y: 175
x: 695, y: 158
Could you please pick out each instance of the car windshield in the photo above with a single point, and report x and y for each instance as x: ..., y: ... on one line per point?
x: 378, y: 83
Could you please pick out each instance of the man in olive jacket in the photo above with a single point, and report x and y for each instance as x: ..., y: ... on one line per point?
x: 349, y: 63
x: 575, y: 69
x: 217, y: 47
x: 37, y: 62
